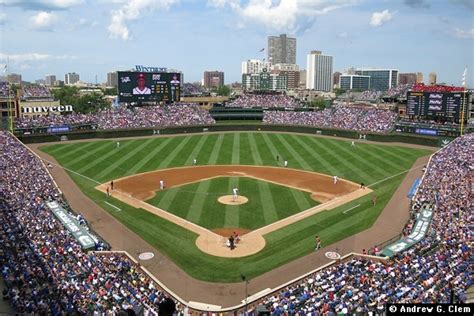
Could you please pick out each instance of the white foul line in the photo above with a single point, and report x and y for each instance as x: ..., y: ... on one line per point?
x: 350, y: 209
x: 113, y: 206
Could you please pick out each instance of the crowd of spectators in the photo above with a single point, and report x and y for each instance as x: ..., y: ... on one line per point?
x: 3, y: 89
x: 339, y: 117
x: 264, y: 101
x: 45, y: 269
x: 192, y: 89
x: 421, y: 87
x: 436, y: 270
x: 398, y: 91
x: 179, y: 114
x: 35, y: 92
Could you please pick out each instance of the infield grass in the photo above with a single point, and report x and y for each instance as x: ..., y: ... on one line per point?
x: 102, y: 161
x: 267, y: 202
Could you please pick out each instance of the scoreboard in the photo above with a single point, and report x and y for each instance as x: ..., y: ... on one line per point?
x: 149, y: 86
x: 436, y: 104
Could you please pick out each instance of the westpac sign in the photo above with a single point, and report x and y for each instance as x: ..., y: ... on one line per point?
x: 142, y: 68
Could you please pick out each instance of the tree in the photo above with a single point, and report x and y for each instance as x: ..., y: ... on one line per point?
x: 318, y: 102
x: 339, y: 91
x: 82, y: 104
x: 221, y: 90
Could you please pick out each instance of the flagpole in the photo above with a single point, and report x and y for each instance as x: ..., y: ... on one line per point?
x: 9, y: 90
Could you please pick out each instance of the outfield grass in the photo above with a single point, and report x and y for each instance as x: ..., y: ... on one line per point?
x: 197, y: 202
x: 368, y: 163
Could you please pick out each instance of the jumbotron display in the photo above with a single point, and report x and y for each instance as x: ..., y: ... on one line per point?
x: 148, y: 86
x: 436, y: 104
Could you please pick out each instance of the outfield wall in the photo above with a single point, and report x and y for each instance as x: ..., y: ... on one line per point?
x: 117, y: 133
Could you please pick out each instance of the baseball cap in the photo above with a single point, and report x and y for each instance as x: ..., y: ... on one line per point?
x: 141, y: 76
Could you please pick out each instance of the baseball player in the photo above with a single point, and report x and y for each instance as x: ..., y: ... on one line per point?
x: 162, y: 185
x: 353, y: 144
x: 335, y: 179
x: 234, y: 194
x: 285, y: 163
x: 194, y: 161
x: 118, y: 144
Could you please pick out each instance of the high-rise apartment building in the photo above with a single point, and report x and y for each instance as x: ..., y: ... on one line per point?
x: 319, y: 72
x: 335, y: 79
x: 354, y: 82
x: 419, y: 77
x: 112, y: 79
x: 254, y: 66
x: 49, y: 80
x: 282, y: 49
x: 71, y: 78
x: 213, y: 79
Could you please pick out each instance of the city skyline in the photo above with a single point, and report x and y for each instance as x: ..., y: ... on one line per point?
x: 93, y: 38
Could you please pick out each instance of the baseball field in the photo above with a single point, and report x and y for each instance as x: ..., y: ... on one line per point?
x: 270, y: 199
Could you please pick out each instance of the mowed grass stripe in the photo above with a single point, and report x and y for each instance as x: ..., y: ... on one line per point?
x: 194, y: 154
x: 169, y: 158
x: 212, y: 214
x: 301, y: 161
x: 338, y: 164
x: 245, y: 150
x: 225, y: 152
x: 354, y: 161
x: 231, y: 218
x: 236, y: 149
x: 117, y: 164
x: 197, y: 203
x: 83, y: 160
x: 142, y: 162
x: 272, y: 149
x: 327, y: 167
x: 269, y: 212
x: 153, y: 162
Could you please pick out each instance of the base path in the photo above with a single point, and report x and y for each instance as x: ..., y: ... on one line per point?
x: 133, y: 190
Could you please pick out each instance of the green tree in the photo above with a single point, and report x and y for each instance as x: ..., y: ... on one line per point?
x: 318, y: 102
x: 81, y: 104
x: 339, y: 91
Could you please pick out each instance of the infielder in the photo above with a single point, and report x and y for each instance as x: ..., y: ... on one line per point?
x: 285, y: 163
x: 335, y: 179
x: 194, y: 161
x: 234, y: 194
x: 162, y: 185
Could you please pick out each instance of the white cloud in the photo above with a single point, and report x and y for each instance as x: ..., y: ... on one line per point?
x: 3, y: 18
x: 28, y: 57
x: 379, y: 18
x: 43, y: 20
x: 132, y: 11
x: 292, y: 16
x: 464, y: 33
x: 39, y: 5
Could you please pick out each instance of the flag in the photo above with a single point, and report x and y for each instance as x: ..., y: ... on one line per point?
x: 463, y: 81
x: 262, y: 50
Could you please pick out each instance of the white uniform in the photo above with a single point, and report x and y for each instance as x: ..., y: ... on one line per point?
x: 145, y: 90
x: 118, y: 144
x: 353, y: 144
x: 162, y: 184
x: 335, y: 179
x: 234, y: 194
x: 194, y: 162
x: 285, y: 163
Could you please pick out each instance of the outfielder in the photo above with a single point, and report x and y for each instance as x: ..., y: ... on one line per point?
x: 285, y: 163
x: 118, y: 144
x: 194, y: 161
x: 353, y: 144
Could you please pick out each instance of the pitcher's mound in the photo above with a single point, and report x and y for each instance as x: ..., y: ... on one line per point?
x: 229, y: 200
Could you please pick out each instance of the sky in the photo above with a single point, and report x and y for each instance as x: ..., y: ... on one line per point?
x: 94, y: 37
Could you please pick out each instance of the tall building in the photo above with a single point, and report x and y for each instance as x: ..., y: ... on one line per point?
x: 335, y: 81
x: 319, y: 71
x: 354, y: 82
x: 254, y: 66
x: 112, y: 79
x: 303, y: 78
x: 419, y: 77
x: 14, y: 78
x: 71, y: 78
x: 380, y: 79
x: 432, y: 78
x: 49, y: 80
x: 282, y: 49
x: 406, y: 78
x: 213, y: 79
